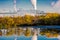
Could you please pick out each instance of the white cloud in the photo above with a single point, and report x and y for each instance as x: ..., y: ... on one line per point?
x: 53, y: 3
x: 56, y: 6
x: 34, y: 3
x: 4, y: 11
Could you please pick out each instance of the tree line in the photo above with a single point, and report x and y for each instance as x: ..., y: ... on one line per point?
x: 29, y: 20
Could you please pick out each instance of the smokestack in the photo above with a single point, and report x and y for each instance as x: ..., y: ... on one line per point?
x: 34, y: 2
x: 15, y: 6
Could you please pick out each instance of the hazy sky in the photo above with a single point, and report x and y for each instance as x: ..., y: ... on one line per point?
x: 43, y: 5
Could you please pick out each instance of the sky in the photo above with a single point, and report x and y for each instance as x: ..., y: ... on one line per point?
x: 20, y: 4
x: 42, y: 5
x: 45, y: 5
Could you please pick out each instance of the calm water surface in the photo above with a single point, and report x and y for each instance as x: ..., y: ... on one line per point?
x: 29, y: 38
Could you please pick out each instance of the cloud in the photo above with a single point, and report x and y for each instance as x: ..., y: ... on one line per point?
x: 53, y: 3
x: 34, y: 3
x: 4, y: 11
x: 56, y: 6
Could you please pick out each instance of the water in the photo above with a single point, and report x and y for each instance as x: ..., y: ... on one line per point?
x: 39, y: 37
x: 27, y: 38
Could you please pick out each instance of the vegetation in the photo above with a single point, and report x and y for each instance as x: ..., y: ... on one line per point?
x: 28, y: 20
x: 50, y: 32
x: 27, y: 32
x: 8, y: 22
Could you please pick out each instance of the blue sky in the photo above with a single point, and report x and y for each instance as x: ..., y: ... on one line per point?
x: 43, y: 5
x: 22, y: 4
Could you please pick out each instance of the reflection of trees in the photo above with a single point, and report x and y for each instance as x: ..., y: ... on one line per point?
x: 50, y: 32
x: 27, y: 32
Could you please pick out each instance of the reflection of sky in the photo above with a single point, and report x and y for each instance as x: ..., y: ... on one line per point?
x: 26, y: 38
x: 43, y: 5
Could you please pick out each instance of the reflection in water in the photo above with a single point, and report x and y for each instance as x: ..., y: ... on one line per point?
x: 4, y: 31
x: 15, y: 37
x: 34, y: 37
x: 58, y: 37
x: 29, y: 31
